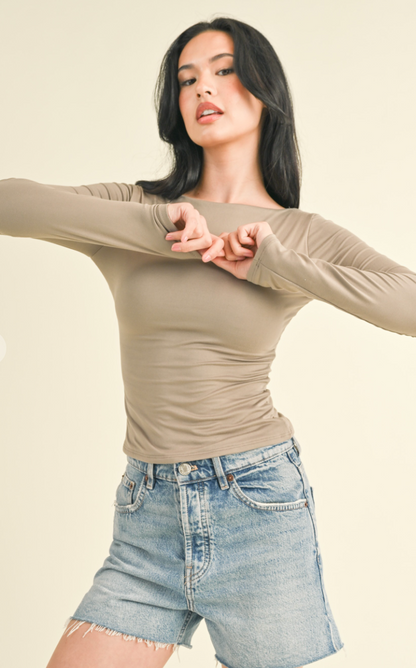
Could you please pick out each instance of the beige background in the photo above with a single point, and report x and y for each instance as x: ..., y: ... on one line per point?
x: 77, y: 81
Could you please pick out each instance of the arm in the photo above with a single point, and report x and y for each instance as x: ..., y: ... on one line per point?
x: 341, y: 270
x: 65, y: 214
x: 121, y: 192
x: 114, y: 191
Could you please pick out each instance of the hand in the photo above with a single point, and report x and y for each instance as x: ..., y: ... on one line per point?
x: 238, y: 258
x: 195, y: 228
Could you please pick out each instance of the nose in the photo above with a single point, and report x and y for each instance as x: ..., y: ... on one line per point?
x: 205, y: 84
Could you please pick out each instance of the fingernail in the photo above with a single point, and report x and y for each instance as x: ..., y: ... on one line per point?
x: 206, y: 258
x: 184, y: 239
x: 169, y: 236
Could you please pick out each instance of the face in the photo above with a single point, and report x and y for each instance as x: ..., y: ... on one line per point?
x: 206, y: 74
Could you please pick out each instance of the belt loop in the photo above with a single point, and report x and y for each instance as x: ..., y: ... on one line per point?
x: 296, y: 445
x: 222, y: 480
x: 150, y: 479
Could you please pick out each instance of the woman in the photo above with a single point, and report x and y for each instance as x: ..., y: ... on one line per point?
x: 214, y: 514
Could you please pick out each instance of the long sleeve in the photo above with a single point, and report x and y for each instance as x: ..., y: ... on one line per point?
x: 341, y: 270
x: 120, y: 192
x: 66, y: 214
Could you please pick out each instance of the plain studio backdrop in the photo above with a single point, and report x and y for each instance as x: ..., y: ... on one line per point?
x: 77, y: 82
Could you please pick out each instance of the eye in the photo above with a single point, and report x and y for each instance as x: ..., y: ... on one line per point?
x: 222, y: 72
x: 186, y: 83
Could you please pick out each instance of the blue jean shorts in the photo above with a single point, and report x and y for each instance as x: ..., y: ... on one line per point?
x: 231, y: 540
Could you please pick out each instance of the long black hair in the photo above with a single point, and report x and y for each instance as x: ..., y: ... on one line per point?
x: 261, y: 73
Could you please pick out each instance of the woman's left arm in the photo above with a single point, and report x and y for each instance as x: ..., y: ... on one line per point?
x: 340, y: 269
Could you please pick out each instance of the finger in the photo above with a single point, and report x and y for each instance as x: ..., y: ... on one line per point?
x: 229, y: 255
x: 193, y: 244
x: 205, y: 242
x: 191, y: 219
x: 172, y: 236
x: 202, y: 251
x: 194, y: 223
x: 236, y: 248
x: 215, y: 250
x: 225, y: 235
x: 246, y: 233
x: 183, y: 236
x: 241, y: 255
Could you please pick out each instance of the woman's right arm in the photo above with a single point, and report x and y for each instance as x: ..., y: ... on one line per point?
x: 69, y: 215
x: 120, y: 192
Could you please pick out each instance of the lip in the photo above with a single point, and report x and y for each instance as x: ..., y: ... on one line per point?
x: 206, y: 105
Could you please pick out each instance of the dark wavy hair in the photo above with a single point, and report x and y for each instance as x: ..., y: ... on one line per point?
x: 261, y: 73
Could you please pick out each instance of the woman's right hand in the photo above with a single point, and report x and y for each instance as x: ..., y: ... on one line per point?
x: 193, y: 233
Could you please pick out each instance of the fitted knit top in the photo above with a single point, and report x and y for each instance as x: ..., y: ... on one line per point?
x: 196, y: 342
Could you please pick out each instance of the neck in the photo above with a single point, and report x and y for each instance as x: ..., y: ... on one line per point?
x: 231, y: 173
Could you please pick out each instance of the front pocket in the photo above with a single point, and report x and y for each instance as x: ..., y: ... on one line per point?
x: 276, y: 485
x: 131, y: 490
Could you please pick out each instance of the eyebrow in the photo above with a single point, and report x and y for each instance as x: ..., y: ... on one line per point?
x: 211, y: 60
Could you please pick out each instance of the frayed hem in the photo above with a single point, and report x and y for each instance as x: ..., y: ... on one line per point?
x: 72, y: 625
x: 220, y: 663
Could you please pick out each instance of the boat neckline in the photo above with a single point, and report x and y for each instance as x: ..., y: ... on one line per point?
x: 252, y: 206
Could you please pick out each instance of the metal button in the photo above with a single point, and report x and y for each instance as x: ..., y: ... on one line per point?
x: 184, y: 469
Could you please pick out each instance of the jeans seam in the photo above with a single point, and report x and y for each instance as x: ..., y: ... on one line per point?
x: 262, y: 461
x: 132, y: 507
x: 318, y: 559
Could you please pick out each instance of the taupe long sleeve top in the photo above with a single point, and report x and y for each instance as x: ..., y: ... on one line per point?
x: 196, y: 342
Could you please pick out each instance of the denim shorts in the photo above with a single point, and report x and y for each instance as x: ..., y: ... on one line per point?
x: 231, y: 540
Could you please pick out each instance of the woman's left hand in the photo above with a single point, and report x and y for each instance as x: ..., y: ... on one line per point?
x: 238, y: 257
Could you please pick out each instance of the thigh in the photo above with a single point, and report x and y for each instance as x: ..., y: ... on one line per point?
x: 83, y: 650
x: 138, y: 592
x: 263, y: 595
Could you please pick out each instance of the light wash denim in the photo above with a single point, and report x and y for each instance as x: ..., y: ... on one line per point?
x: 231, y: 540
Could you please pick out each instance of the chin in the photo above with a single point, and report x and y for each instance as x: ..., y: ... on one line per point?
x: 212, y: 138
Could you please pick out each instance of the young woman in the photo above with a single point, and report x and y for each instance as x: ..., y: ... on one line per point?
x: 214, y: 514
